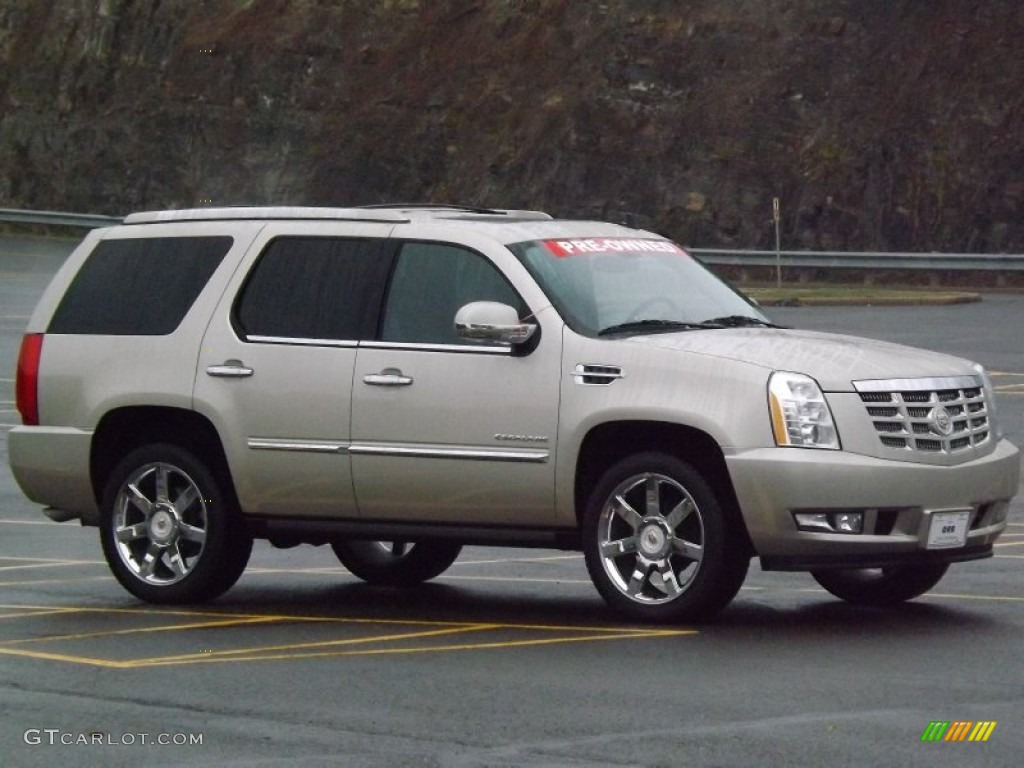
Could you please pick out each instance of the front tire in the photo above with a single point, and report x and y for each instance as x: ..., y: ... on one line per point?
x: 881, y: 586
x: 396, y: 563
x: 657, y: 543
x: 170, y: 532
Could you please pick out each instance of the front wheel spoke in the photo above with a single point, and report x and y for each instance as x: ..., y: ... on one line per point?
x: 149, y: 562
x: 640, y: 577
x: 679, y: 513
x: 622, y: 508
x: 176, y: 561
x: 688, y: 549
x: 185, y: 499
x: 619, y: 547
x: 131, y: 532
x: 652, y: 495
x: 161, y: 483
x: 669, y: 583
x: 192, y: 533
x: 139, y: 500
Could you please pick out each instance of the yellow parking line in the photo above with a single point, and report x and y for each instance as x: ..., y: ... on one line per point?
x: 65, y: 657
x: 44, y: 565
x: 326, y: 648
x: 166, y: 628
x: 1009, y: 544
x: 51, y: 560
x: 37, y: 612
x: 437, y: 649
x: 260, y: 650
x: 33, y: 582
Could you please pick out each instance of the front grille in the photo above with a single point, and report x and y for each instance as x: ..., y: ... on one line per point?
x: 930, y: 415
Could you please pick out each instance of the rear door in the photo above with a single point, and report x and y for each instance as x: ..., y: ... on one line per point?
x: 275, y: 370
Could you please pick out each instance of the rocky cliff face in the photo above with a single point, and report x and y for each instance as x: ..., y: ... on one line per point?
x: 880, y: 124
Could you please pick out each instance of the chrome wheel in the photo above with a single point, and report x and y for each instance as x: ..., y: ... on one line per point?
x: 160, y: 523
x: 651, y: 537
x: 170, y: 531
x: 658, y: 545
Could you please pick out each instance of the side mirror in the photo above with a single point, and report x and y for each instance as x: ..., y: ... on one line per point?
x: 492, y: 321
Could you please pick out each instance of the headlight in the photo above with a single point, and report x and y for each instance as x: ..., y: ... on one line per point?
x: 800, y: 415
x: 990, y: 402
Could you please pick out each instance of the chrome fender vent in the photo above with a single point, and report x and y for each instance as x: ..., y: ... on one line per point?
x: 594, y: 375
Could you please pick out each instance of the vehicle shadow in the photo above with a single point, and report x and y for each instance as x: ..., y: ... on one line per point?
x: 809, y: 615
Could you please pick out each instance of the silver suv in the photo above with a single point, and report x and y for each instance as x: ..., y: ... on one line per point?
x: 400, y: 381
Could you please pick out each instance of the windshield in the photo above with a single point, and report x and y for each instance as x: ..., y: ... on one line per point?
x: 605, y: 285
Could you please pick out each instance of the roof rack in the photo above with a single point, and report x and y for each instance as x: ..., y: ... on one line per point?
x: 265, y: 212
x: 391, y: 212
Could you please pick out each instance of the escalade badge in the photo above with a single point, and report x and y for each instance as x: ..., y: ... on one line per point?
x: 522, y: 438
x: 941, y: 421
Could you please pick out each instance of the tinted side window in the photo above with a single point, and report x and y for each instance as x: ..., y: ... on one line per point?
x: 430, y: 283
x: 313, y: 288
x: 142, y: 286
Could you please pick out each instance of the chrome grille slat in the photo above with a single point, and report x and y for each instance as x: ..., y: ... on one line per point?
x: 931, y: 415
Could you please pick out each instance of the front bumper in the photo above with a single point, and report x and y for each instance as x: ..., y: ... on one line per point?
x: 898, y: 499
x: 51, y: 464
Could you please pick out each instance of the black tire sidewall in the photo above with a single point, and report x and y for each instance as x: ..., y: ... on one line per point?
x: 227, y: 545
x: 424, y: 561
x: 892, y: 587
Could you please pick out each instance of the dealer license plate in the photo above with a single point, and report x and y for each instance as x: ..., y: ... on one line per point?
x: 948, y: 529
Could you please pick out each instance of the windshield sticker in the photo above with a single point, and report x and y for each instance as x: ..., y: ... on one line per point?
x: 561, y: 248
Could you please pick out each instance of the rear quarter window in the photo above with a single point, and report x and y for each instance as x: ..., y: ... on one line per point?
x: 138, y: 287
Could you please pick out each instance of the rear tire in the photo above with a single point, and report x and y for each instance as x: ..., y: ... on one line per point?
x: 170, y: 533
x: 396, y: 563
x: 658, y: 545
x: 881, y: 586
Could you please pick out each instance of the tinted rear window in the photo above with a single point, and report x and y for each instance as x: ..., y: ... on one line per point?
x: 313, y: 288
x: 138, y: 287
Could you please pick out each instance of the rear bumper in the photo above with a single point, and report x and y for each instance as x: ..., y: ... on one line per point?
x: 898, y: 500
x: 51, y: 465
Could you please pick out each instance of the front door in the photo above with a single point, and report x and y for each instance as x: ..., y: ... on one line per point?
x: 445, y: 430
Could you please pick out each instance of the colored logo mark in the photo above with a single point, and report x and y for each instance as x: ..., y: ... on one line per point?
x: 959, y: 730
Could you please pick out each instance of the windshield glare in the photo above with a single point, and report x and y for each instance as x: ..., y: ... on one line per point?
x: 600, y: 283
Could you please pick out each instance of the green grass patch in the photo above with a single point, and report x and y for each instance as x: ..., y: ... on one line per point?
x: 852, y: 295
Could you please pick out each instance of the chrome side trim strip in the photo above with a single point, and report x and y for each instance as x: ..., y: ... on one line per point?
x: 464, y: 348
x: 913, y: 385
x: 302, y: 342
x: 538, y: 456
x: 303, y: 446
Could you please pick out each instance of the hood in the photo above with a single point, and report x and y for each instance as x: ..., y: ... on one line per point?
x: 833, y: 360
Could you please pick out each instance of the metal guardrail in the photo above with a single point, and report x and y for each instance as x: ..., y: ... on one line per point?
x: 999, y: 262
x: 989, y: 262
x: 58, y: 218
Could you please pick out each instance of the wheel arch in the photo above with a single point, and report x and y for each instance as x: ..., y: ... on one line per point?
x: 605, y: 444
x: 125, y: 429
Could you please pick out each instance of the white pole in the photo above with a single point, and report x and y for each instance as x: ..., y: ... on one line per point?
x: 778, y: 254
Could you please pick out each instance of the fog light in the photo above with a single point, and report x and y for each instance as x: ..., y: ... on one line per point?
x: 830, y: 522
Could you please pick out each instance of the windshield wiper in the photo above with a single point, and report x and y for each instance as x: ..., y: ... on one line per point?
x: 657, y: 326
x: 736, y: 321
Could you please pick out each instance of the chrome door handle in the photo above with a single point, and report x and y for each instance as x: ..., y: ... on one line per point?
x: 389, y: 377
x: 230, y: 369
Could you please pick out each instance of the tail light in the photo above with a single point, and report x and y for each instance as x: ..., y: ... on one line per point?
x: 27, y: 387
